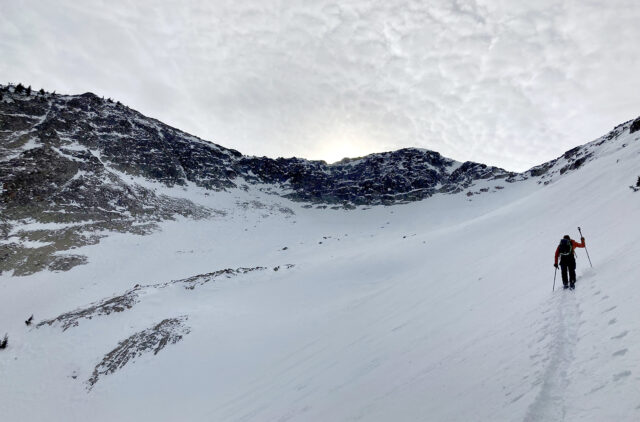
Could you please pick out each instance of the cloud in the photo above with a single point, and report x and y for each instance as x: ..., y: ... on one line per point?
x: 506, y: 83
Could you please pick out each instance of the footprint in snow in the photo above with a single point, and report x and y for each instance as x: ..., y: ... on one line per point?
x: 593, y: 390
x: 622, y: 334
x: 621, y: 375
x: 620, y: 352
x: 610, y: 309
x: 612, y: 321
x: 515, y: 399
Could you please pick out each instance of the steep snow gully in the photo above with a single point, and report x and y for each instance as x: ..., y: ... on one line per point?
x: 271, y: 310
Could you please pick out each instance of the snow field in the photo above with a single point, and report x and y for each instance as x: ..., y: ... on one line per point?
x: 440, y: 310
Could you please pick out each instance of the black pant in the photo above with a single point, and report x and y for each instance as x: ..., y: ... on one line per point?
x: 568, y: 265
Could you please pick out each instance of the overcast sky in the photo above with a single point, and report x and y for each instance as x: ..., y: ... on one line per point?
x: 511, y: 83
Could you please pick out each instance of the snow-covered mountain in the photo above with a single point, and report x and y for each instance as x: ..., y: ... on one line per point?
x: 173, y: 279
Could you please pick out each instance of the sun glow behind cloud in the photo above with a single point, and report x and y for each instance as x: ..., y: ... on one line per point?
x: 342, y: 143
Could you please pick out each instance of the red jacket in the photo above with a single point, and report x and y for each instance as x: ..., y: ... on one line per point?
x: 574, y: 245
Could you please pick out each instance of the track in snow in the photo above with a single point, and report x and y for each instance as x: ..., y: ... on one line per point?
x: 550, y: 404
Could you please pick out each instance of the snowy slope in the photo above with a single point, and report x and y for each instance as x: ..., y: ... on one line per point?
x: 439, y: 310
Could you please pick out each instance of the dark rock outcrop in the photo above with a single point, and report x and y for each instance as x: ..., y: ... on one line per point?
x: 131, y: 297
x: 154, y: 339
x: 635, y: 126
x: 104, y: 307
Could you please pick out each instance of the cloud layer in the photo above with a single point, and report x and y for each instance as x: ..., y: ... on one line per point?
x: 507, y: 83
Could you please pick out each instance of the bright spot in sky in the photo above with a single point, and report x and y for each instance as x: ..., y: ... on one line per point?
x: 341, y: 144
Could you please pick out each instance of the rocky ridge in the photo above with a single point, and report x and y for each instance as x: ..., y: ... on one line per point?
x: 153, y: 339
x: 131, y: 297
x: 102, y: 135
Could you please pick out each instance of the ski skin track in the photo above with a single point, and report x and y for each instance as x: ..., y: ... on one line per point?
x: 550, y: 402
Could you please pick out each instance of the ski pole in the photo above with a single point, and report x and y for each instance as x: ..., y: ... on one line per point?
x: 554, y: 280
x: 585, y: 248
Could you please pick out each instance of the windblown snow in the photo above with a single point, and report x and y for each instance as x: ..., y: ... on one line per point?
x: 438, y: 310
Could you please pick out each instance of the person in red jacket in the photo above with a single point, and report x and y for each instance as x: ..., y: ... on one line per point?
x: 566, y: 252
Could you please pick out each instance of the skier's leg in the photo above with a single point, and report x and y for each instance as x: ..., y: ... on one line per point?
x: 563, y: 267
x: 572, y: 272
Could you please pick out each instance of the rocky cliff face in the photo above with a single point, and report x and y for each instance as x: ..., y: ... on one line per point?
x: 405, y: 175
x: 63, y: 178
x: 86, y: 133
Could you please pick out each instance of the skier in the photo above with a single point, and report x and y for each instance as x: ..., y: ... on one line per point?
x: 566, y: 251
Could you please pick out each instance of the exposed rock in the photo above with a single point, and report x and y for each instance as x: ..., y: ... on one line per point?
x: 103, y: 307
x: 154, y: 339
x: 635, y: 126
x: 400, y: 176
x: 198, y: 280
x: 130, y: 298
x: 51, y: 174
x: 575, y: 163
x: 540, y: 170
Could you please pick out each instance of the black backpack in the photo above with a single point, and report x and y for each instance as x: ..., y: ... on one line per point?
x: 565, y: 248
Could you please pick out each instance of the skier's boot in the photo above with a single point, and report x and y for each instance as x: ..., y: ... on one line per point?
x: 572, y: 286
x: 566, y: 286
